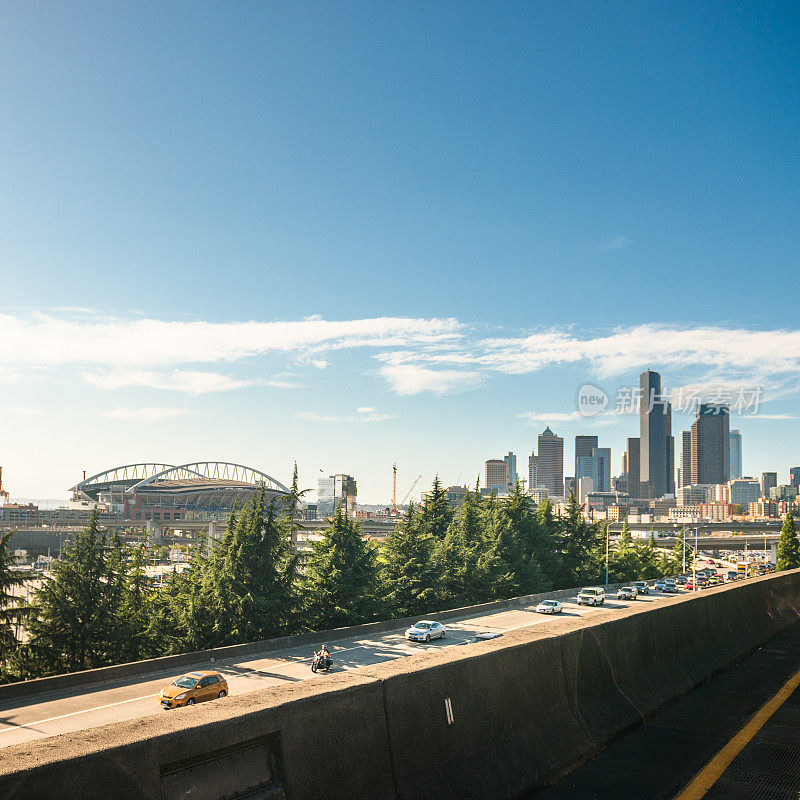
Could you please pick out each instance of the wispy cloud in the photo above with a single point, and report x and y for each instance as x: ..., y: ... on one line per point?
x: 536, y: 418
x: 25, y: 411
x: 409, y: 379
x: 364, y: 414
x: 50, y: 341
x: 615, y: 243
x: 188, y: 381
x: 147, y: 414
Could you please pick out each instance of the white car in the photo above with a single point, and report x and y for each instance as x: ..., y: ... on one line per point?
x: 425, y: 630
x: 591, y: 596
x: 627, y: 593
x: 549, y: 607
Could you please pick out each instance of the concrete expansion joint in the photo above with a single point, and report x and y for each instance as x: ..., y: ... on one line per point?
x: 614, y: 678
x: 575, y: 705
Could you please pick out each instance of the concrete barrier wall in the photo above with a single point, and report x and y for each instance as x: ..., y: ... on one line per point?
x: 526, y: 709
x: 134, y: 669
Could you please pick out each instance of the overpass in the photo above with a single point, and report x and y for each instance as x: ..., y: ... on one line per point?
x: 43, y: 540
x: 497, y: 719
x: 703, y: 528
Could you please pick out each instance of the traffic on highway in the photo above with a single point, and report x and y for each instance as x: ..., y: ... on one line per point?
x: 26, y: 719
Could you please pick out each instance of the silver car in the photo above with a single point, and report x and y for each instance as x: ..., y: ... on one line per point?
x: 549, y: 607
x: 627, y: 593
x: 425, y: 630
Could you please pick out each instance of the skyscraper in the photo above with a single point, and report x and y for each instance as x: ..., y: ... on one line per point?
x: 711, y: 444
x: 794, y: 476
x: 511, y: 470
x: 551, y: 462
x: 583, y: 447
x: 656, y: 446
x: 596, y: 466
x: 769, y: 480
x: 633, y: 467
x: 496, y: 474
x: 686, y: 458
x: 334, y: 492
x: 736, y: 454
x: 533, y: 471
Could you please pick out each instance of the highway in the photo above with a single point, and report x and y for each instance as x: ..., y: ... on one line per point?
x: 26, y: 719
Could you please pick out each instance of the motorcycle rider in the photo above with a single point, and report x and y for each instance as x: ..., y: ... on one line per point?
x: 326, y: 656
x: 323, y: 657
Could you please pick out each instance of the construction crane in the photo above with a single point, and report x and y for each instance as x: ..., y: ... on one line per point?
x: 3, y: 492
x: 408, y: 493
x: 394, y: 489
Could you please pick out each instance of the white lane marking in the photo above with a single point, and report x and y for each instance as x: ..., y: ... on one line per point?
x: 15, y: 727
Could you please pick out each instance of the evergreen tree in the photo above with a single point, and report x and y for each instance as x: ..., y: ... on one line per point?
x: 436, y: 511
x: 340, y: 579
x: 579, y: 548
x: 525, y: 552
x: 133, y: 614
x: 406, y: 576
x: 788, y: 545
x: 73, y: 611
x: 12, y: 607
x: 466, y: 561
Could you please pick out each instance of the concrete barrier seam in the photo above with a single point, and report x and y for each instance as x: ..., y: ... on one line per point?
x: 614, y: 677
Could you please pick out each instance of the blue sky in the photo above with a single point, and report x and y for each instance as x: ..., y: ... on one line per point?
x: 450, y: 214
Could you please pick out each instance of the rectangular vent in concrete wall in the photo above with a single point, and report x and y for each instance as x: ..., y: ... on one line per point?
x: 247, y: 771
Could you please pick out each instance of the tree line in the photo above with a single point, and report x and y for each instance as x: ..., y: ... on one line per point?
x: 97, y: 607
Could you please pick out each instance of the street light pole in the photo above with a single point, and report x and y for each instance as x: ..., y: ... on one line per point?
x: 606, y: 555
x: 694, y: 563
x: 683, y: 538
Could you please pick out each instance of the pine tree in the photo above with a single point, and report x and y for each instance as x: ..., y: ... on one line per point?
x: 524, y: 550
x: 72, y: 611
x: 405, y: 576
x: 579, y: 547
x: 133, y: 613
x: 788, y: 546
x: 12, y: 607
x: 466, y: 561
x: 436, y: 511
x: 340, y: 579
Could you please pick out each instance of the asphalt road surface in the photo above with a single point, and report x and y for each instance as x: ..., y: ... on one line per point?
x: 25, y: 719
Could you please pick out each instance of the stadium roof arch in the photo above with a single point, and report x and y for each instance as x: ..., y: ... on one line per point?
x: 126, y: 476
x: 211, y: 471
x: 199, y: 485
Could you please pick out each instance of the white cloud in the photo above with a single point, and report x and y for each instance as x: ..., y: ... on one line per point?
x: 535, y: 418
x: 283, y: 383
x: 364, y: 414
x: 408, y: 379
x: 26, y: 411
x: 188, y: 381
x: 49, y: 341
x: 151, y: 414
x: 616, y: 243
x: 556, y: 416
x: 769, y: 416
x: 636, y: 348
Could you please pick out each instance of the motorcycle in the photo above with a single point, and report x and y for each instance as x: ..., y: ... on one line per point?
x: 321, y: 662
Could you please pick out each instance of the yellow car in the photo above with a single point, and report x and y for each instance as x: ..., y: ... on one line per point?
x: 193, y: 687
